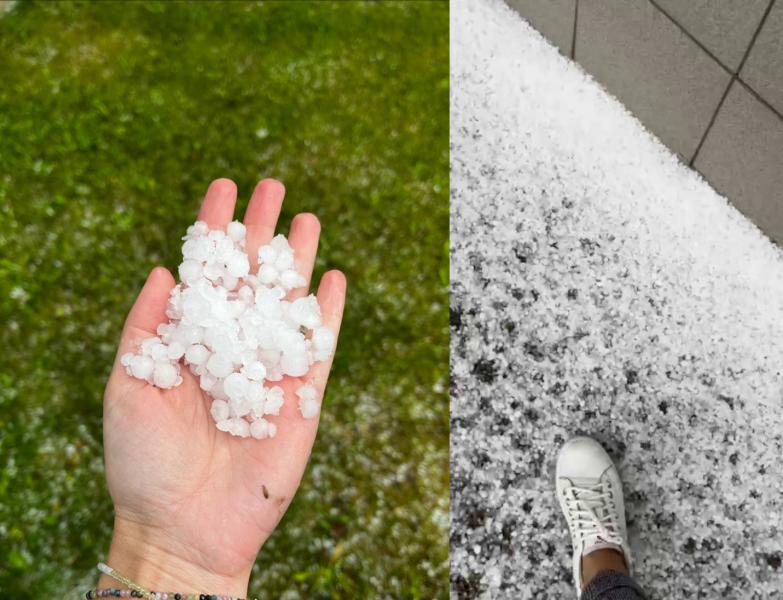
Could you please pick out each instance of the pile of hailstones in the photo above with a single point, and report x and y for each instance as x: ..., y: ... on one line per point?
x: 236, y: 332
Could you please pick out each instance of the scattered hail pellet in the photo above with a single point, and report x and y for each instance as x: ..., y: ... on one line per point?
x: 236, y: 331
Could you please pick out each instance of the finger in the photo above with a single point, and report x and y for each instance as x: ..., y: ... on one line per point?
x: 217, y: 209
x: 297, y: 434
x: 331, y: 298
x: 303, y: 238
x: 149, y: 310
x: 261, y: 217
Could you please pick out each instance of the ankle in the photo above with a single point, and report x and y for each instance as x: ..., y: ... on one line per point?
x: 602, y: 560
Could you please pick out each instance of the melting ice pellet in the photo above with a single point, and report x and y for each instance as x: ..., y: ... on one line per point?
x: 236, y: 331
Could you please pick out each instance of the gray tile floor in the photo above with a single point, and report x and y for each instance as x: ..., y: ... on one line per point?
x: 661, y: 75
x: 725, y: 28
x: 763, y: 71
x: 681, y: 68
x: 738, y: 155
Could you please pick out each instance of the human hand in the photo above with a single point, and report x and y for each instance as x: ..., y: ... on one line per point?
x: 194, y: 505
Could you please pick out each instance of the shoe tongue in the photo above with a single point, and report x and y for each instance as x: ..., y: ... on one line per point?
x: 584, y: 482
x: 587, y: 491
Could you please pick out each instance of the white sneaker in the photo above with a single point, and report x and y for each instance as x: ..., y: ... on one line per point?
x: 591, y: 497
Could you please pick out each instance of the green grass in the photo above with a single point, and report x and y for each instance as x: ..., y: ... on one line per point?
x: 114, y: 117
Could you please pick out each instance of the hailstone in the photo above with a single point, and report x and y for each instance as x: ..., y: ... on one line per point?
x: 231, y: 325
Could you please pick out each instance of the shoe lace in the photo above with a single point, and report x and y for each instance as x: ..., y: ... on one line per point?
x: 594, y: 515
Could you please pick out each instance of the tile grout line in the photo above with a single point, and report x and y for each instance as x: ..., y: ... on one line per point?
x: 734, y: 77
x: 755, y: 35
x: 690, y: 36
x: 711, y: 121
x: 735, y: 74
x: 759, y: 97
x: 573, y: 36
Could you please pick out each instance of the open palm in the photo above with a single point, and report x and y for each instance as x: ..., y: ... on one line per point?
x: 199, y: 503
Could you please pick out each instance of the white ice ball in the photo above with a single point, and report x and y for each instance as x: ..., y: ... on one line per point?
x: 256, y: 394
x: 195, y: 308
x: 165, y: 331
x: 309, y: 404
x: 219, y: 365
x: 274, y: 401
x: 190, y: 270
x: 219, y: 410
x: 235, y: 386
x: 165, y: 375
x: 197, y: 354
x: 284, y: 261
x: 323, y: 339
x: 224, y: 249
x: 213, y: 271
x: 267, y: 255
x: 267, y: 303
x: 220, y: 340
x: 229, y: 282
x: 255, y: 371
x: 147, y: 344
x: 245, y: 294
x: 192, y: 334
x: 240, y: 427
x: 200, y: 228
x: 189, y: 249
x: 240, y: 407
x: 280, y: 243
x: 141, y: 366
x: 200, y: 249
x: 259, y: 429
x: 236, y: 231
x: 207, y: 381
x: 159, y: 352
x: 274, y: 373
x: 217, y: 390
x: 267, y: 274
x: 175, y: 350
x: 294, y: 365
x: 309, y: 408
x: 291, y: 280
x: 215, y: 235
x: 238, y: 265
x: 305, y: 312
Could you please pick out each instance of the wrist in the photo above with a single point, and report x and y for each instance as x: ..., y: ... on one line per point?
x: 153, y: 560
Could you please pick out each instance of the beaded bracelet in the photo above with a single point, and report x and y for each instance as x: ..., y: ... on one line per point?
x: 136, y: 591
x: 118, y: 593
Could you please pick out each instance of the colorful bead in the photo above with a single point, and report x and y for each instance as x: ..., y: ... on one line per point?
x: 125, y: 593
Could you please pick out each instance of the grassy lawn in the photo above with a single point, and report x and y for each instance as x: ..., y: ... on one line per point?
x: 114, y: 117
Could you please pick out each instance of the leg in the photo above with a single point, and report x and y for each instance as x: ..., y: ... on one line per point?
x: 600, y: 561
x: 612, y: 585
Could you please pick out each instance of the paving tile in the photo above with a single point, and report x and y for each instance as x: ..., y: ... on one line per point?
x: 725, y: 27
x: 764, y: 69
x: 742, y: 158
x: 652, y: 67
x: 553, y: 18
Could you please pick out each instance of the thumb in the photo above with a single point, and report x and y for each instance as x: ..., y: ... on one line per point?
x: 149, y: 310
